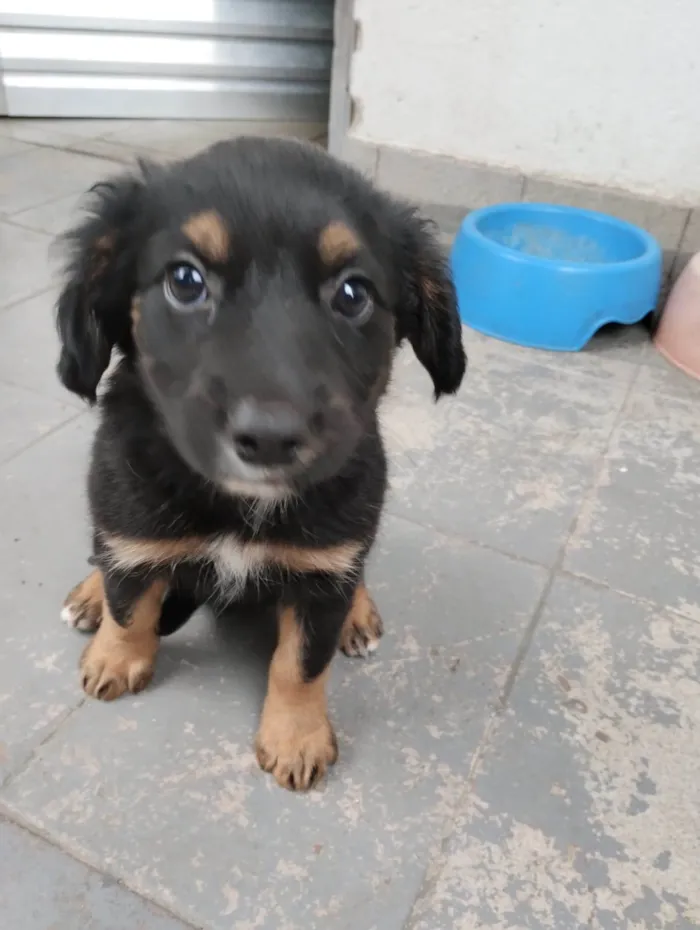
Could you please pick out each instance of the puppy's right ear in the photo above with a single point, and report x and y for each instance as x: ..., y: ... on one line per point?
x: 93, y: 310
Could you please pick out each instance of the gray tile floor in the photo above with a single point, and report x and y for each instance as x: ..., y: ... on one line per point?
x: 524, y: 749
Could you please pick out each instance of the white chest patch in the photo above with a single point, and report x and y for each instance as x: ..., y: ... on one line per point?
x: 236, y: 565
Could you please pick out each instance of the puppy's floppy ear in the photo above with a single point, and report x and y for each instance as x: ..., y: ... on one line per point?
x: 427, y: 313
x: 93, y: 309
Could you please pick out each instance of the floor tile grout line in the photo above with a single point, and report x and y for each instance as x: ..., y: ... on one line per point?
x: 10, y: 815
x: 128, y: 157
x: 74, y: 148
x: 33, y: 295
x: 140, y: 151
x: 25, y: 763
x: 47, y: 395
x: 556, y: 361
x: 677, y: 256
x: 432, y: 874
x: 117, y: 159
x: 439, y: 860
x: 527, y: 638
x: 635, y: 367
x: 35, y: 442
x: 430, y: 880
x: 466, y: 540
x: 595, y: 484
x: 640, y: 599
x: 503, y: 699
x: 558, y: 565
x: 11, y: 220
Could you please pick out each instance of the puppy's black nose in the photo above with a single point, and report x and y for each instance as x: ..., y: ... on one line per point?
x: 269, y: 434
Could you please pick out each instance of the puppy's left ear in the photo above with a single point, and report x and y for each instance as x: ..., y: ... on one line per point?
x: 427, y: 313
x: 93, y: 308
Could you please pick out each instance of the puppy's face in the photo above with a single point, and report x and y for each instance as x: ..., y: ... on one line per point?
x: 264, y: 334
x: 260, y: 290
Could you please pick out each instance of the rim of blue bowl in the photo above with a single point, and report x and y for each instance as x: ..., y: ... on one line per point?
x: 651, y: 248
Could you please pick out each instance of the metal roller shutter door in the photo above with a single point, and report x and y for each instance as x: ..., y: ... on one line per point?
x: 166, y: 59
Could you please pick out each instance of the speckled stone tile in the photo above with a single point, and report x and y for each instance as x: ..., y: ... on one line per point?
x: 42, y: 552
x: 185, y: 137
x: 42, y: 888
x: 163, y: 791
x: 10, y: 146
x: 638, y: 531
x: 56, y: 131
x: 44, y: 174
x: 585, y: 812
x: 610, y: 353
x: 508, y: 461
x: 26, y: 416
x: 29, y: 348
x: 54, y: 217
x: 25, y: 267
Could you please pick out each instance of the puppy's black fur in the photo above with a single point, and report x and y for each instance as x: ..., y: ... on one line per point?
x: 255, y: 295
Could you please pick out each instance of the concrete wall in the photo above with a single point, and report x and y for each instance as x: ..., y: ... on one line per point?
x: 603, y: 92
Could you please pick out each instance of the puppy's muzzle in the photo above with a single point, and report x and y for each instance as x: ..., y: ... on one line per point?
x: 273, y: 434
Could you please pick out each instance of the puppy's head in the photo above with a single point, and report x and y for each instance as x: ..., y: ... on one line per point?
x: 259, y: 290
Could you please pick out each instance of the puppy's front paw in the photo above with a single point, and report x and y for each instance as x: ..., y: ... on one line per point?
x: 297, y: 752
x: 110, y: 668
x: 82, y: 609
x: 363, y: 627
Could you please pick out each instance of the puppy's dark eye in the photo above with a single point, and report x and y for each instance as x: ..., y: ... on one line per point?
x: 353, y: 299
x: 184, y: 286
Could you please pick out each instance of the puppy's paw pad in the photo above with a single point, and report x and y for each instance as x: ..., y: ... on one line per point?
x: 362, y: 632
x: 82, y: 609
x: 298, y: 761
x: 107, y: 675
x: 84, y: 617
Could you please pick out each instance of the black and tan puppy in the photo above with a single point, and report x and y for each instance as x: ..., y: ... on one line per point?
x: 255, y: 295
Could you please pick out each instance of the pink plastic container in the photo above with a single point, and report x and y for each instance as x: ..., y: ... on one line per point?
x: 678, y: 335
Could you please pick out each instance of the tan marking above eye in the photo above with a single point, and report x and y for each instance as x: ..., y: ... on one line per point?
x: 102, y: 250
x: 430, y: 289
x: 337, y: 243
x: 104, y: 243
x: 135, y: 312
x: 208, y: 233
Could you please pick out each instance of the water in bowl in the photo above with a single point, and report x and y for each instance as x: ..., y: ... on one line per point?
x: 548, y: 242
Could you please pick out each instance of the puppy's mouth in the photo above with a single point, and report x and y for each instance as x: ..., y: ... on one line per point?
x: 275, y: 483
x: 259, y: 464
x: 255, y: 481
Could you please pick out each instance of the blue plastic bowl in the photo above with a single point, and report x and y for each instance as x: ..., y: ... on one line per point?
x: 548, y: 276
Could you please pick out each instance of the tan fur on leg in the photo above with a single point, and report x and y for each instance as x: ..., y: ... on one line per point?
x: 295, y: 741
x: 82, y: 609
x: 120, y: 658
x: 363, y: 626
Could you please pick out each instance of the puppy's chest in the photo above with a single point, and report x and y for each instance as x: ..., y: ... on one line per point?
x: 236, y: 564
x: 233, y: 561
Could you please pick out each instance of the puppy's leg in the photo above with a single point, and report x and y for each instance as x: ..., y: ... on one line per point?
x: 120, y: 658
x: 82, y: 609
x: 296, y: 741
x: 177, y: 609
x: 363, y: 627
